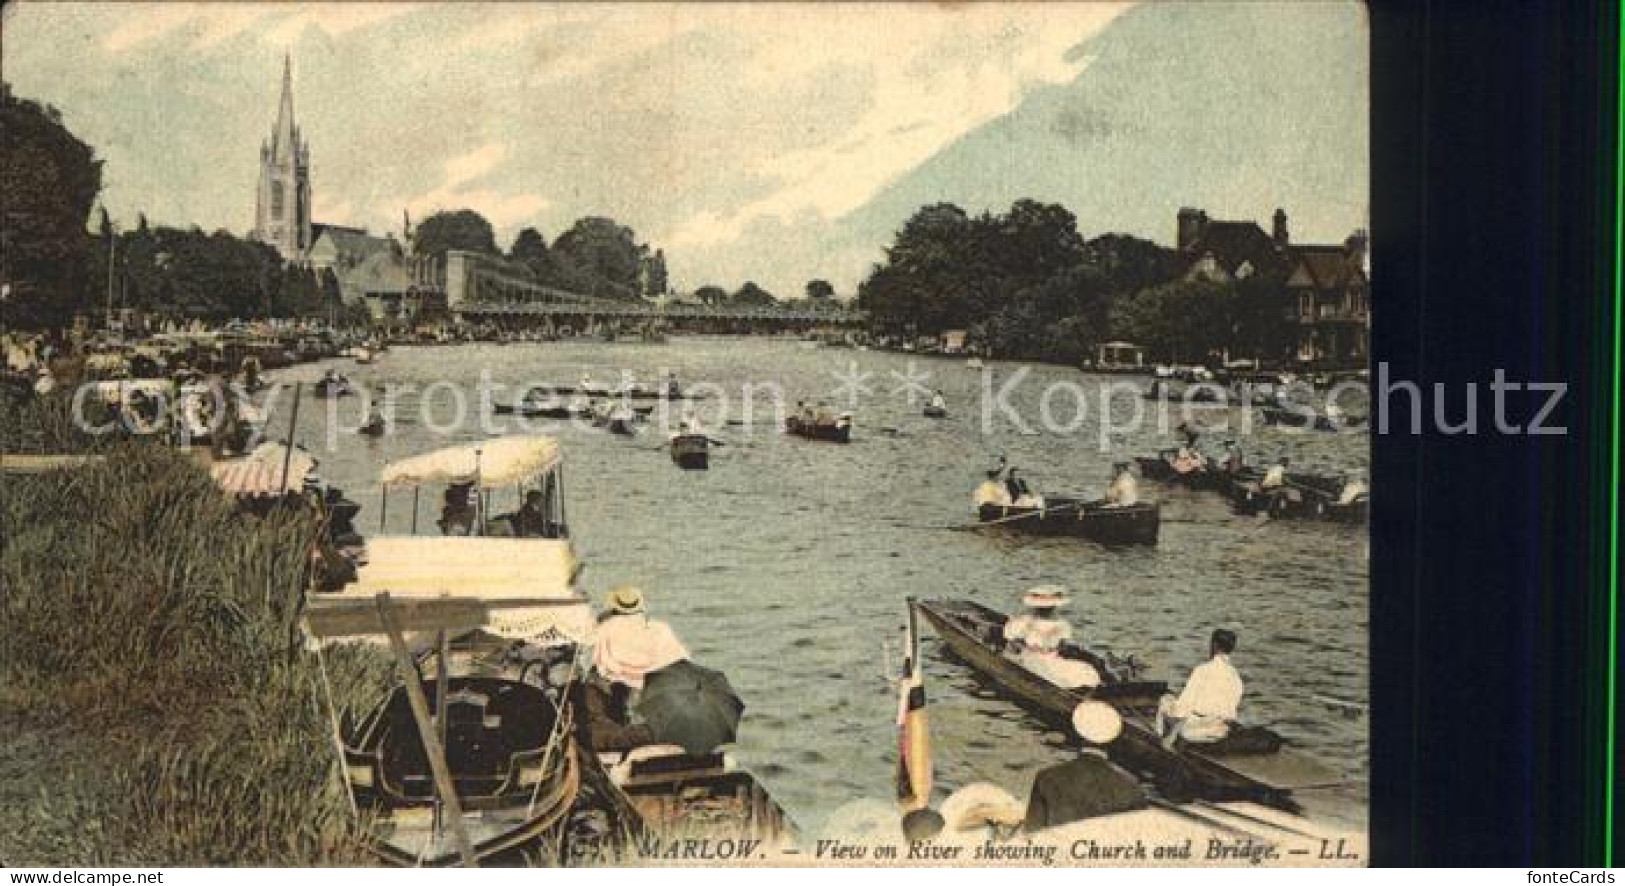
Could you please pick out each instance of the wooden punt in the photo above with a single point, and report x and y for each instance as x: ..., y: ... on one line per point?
x: 496, y: 737
x: 1136, y: 524
x: 975, y: 635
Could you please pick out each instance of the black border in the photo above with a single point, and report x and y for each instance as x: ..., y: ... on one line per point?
x: 1492, y: 223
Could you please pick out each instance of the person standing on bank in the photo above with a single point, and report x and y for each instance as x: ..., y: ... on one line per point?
x: 1090, y: 786
x: 1203, y: 712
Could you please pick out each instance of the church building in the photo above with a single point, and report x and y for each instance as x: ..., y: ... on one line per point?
x: 282, y: 207
x: 362, y: 263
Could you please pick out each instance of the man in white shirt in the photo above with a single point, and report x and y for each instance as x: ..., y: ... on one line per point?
x: 1203, y: 712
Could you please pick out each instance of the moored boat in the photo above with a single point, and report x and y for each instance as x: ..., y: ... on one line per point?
x: 936, y: 412
x: 1093, y: 520
x: 975, y: 635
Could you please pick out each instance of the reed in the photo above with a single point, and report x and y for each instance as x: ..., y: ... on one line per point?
x: 154, y: 673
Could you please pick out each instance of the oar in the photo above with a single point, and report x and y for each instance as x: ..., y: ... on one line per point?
x: 1199, y: 819
x: 1034, y: 513
x: 1221, y: 810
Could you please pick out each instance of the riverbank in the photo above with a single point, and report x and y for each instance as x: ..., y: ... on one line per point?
x: 159, y: 707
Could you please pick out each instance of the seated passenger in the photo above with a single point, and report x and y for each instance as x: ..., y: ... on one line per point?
x: 1203, y: 712
x: 1090, y: 786
x: 1125, y: 490
x: 628, y: 645
x: 1034, y: 638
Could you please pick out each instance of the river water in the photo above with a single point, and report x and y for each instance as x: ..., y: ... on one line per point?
x: 786, y: 564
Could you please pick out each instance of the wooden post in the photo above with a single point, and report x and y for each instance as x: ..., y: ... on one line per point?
x: 415, y: 491
x: 426, y: 732
x: 442, y: 677
x: 287, y: 454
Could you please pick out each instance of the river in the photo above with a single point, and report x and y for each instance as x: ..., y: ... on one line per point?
x: 786, y: 564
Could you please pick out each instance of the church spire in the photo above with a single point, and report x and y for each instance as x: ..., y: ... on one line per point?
x: 283, y: 142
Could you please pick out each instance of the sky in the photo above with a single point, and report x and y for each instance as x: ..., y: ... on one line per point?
x: 748, y: 141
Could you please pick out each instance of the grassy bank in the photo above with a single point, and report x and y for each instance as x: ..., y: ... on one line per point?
x: 157, y: 702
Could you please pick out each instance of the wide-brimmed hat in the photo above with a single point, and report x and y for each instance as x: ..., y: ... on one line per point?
x: 1096, y: 722
x: 626, y: 600
x: 1046, y: 597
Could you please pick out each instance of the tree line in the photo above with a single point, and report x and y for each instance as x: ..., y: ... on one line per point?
x: 595, y: 256
x: 1025, y: 284
x: 54, y: 267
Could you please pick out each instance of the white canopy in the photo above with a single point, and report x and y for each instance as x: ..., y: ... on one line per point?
x: 518, y: 588
x: 499, y: 461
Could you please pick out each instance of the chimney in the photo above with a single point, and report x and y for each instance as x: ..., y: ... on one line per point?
x: 1281, y: 236
x: 1192, y: 224
x: 1356, y: 246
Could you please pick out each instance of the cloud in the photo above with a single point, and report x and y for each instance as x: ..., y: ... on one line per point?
x: 210, y: 24
x: 714, y: 130
x: 502, y: 208
x: 936, y: 77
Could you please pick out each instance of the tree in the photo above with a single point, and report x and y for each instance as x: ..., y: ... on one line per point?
x: 820, y: 289
x: 1184, y: 321
x: 1131, y: 264
x: 711, y: 295
x: 606, y: 250
x: 464, y: 229
x: 530, y: 249
x: 50, y: 179
x: 751, y: 294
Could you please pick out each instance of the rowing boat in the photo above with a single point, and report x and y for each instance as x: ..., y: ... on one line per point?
x: 975, y: 635
x: 1305, y: 496
x: 838, y: 431
x: 691, y: 452
x: 1093, y: 520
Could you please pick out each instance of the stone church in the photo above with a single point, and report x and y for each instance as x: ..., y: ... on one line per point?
x: 364, y: 264
x: 282, y: 209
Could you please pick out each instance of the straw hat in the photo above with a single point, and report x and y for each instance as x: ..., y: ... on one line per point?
x: 1046, y: 597
x: 1096, y: 722
x: 626, y: 600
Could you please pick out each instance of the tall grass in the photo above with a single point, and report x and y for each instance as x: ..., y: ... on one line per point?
x: 151, y: 634
x: 46, y: 424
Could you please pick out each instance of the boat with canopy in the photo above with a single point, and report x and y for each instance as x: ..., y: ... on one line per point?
x: 471, y: 473
x: 493, y: 746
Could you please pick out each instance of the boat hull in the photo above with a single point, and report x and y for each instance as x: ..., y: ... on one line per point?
x: 974, y: 633
x: 691, y: 452
x: 1137, y: 524
x: 840, y: 432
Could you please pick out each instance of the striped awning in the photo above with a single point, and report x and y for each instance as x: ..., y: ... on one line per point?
x: 260, y: 473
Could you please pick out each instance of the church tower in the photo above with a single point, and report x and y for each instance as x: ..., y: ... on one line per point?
x: 282, y: 210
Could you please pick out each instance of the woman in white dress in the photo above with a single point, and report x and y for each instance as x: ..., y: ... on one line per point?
x: 1033, y: 640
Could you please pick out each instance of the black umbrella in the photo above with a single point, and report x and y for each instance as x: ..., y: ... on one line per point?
x: 691, y: 706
